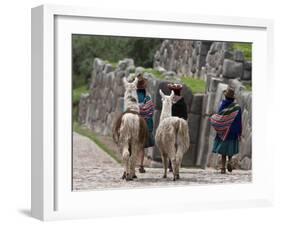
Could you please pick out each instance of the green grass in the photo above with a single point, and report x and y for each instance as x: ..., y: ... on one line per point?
x: 113, y: 64
x: 196, y: 85
x: 246, y: 48
x: 92, y: 136
x: 77, y: 93
x: 248, y: 87
x: 155, y: 73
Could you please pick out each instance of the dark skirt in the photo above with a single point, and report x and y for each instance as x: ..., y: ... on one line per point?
x: 228, y: 147
x: 150, y: 141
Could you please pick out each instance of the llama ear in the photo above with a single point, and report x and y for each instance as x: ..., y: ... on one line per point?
x: 125, y: 82
x: 161, y: 93
x: 172, y: 94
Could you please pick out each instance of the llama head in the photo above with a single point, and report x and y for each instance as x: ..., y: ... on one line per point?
x: 167, y: 100
x: 130, y: 86
x: 131, y: 97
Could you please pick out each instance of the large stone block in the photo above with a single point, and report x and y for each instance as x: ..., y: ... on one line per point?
x: 189, y: 157
x: 83, y: 107
x: 246, y: 163
x: 203, y: 144
x: 118, y: 79
x: 232, y: 69
x: 204, y: 47
x: 216, y: 46
x: 201, y: 61
x: 155, y: 154
x: 214, y: 82
x: 243, y: 99
x: 246, y: 146
x: 197, y: 102
x: 107, y: 68
x: 248, y: 65
x: 215, y: 60
x: 120, y: 104
x: 208, y: 103
x: 110, y: 102
x: 219, y: 96
x: 125, y: 64
x: 238, y: 56
x: 194, y: 127
x: 247, y: 75
x: 228, y: 55
x: 98, y: 65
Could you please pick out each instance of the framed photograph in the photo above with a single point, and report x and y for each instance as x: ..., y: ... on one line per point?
x: 141, y: 112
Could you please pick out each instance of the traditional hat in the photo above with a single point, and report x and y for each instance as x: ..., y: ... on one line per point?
x: 175, y: 87
x: 229, y: 92
x: 142, y: 82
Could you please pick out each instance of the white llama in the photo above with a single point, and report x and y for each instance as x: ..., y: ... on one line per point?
x: 130, y: 130
x: 172, y: 136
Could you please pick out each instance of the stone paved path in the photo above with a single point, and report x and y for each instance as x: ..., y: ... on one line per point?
x: 95, y: 169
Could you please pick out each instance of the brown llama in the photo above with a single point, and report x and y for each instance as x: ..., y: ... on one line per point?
x: 130, y: 130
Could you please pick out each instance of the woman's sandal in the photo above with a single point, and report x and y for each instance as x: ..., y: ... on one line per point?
x: 141, y: 169
x: 223, y: 171
x: 229, y: 167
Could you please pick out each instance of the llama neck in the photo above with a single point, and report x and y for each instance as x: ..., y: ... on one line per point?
x: 131, y: 102
x: 166, y: 112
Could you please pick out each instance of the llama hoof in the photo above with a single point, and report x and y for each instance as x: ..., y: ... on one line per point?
x: 135, y: 176
x: 129, y: 178
x: 174, y: 179
x: 177, y: 176
x: 123, y: 176
x: 164, y: 176
x: 141, y: 169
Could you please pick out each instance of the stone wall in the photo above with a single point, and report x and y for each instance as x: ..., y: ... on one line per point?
x: 199, y: 58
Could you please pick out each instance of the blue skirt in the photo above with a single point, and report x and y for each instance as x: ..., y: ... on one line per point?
x: 228, y: 147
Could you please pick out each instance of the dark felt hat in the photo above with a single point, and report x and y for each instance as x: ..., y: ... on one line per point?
x: 175, y: 87
x: 229, y: 92
x: 142, y: 82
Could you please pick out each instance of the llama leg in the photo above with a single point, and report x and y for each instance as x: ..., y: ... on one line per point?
x: 125, y: 157
x: 133, y: 160
x: 165, y: 164
x: 129, y: 172
x: 172, y: 157
x: 179, y: 156
x: 174, y: 165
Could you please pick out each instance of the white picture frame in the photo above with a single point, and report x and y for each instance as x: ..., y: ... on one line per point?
x: 52, y: 197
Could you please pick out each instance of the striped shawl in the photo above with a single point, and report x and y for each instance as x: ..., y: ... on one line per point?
x: 223, y: 120
x: 146, y: 109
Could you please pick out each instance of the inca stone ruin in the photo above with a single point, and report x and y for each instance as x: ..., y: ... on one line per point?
x: 213, y: 62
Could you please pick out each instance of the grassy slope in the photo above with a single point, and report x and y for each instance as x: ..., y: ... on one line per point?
x: 196, y: 85
x: 246, y: 48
